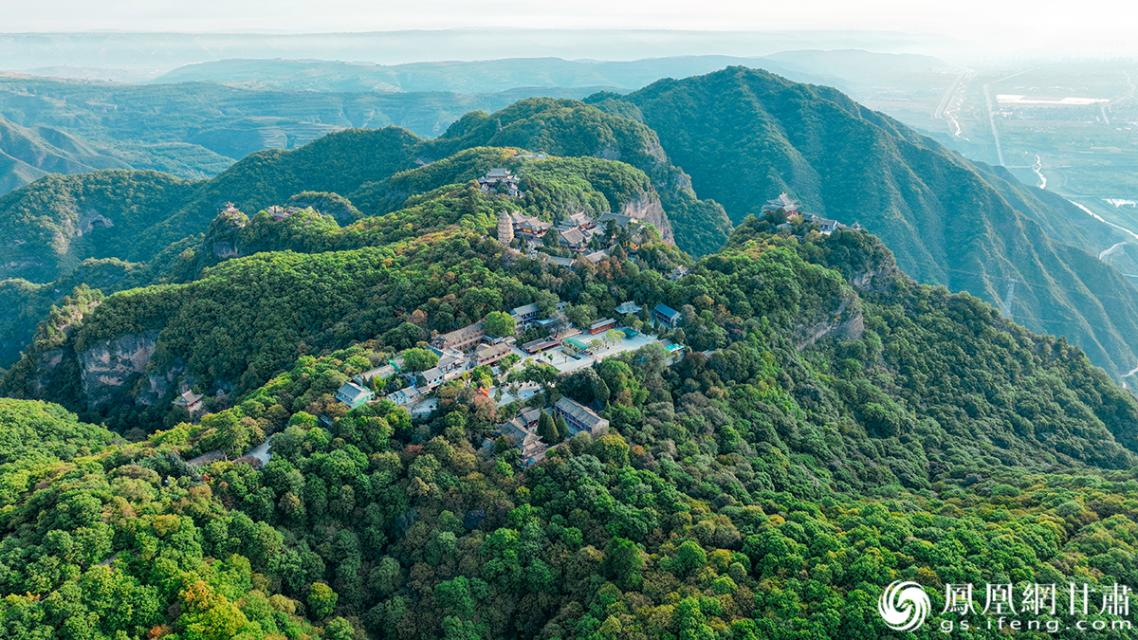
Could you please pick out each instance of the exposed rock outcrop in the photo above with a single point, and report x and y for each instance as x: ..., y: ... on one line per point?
x: 111, y: 365
x: 648, y: 209
x: 846, y: 322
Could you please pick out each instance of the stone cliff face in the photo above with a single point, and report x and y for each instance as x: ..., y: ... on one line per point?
x: 877, y: 278
x: 69, y: 239
x: 649, y: 209
x: 89, y: 220
x: 845, y: 321
x: 112, y: 365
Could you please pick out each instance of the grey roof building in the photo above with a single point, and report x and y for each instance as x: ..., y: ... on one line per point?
x: 354, y: 395
x: 579, y: 417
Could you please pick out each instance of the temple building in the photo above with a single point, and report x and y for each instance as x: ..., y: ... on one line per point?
x: 500, y: 180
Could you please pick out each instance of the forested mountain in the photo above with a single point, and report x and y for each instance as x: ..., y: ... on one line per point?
x: 835, y: 427
x: 53, y: 226
x: 570, y: 128
x: 196, y: 120
x: 238, y: 352
x: 745, y: 134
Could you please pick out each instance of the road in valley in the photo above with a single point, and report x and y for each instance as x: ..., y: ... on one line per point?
x: 950, y: 102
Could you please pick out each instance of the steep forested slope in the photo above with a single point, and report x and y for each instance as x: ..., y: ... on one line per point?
x: 48, y: 228
x: 745, y: 135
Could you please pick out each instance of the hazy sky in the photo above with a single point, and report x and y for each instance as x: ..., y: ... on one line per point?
x: 961, y: 16
x: 1067, y: 25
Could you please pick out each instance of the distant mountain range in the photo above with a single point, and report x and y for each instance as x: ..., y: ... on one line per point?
x: 145, y: 55
x: 187, y: 125
x: 847, y: 69
x: 196, y: 130
x: 30, y: 153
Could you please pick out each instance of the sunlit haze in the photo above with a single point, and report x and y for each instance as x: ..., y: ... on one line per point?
x: 1093, y: 27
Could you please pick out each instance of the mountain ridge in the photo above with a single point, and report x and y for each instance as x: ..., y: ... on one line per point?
x: 948, y: 220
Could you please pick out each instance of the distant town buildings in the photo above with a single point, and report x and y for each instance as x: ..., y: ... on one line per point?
x: 674, y: 350
x: 525, y: 315
x: 529, y: 227
x: 278, y: 213
x: 573, y: 239
x: 488, y: 354
x: 576, y: 345
x: 450, y: 360
x: 576, y: 230
x: 595, y: 257
x: 782, y: 204
x: 382, y: 372
x: 451, y: 364
x: 433, y: 377
x: 785, y: 205
x: 600, y: 326
x: 404, y: 397
x: 463, y: 349
x: 539, y: 345
x: 628, y: 307
x: 619, y: 219
x: 825, y: 226
x: 522, y: 430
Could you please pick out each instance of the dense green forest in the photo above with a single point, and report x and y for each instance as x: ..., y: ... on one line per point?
x: 836, y: 428
x: 832, y: 426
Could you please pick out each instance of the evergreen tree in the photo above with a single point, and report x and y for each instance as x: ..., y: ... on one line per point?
x: 562, y: 427
x: 547, y: 429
